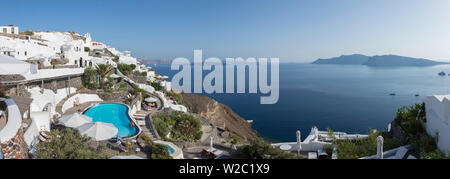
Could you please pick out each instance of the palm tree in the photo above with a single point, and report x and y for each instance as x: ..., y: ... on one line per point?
x: 89, y: 77
x: 104, y: 70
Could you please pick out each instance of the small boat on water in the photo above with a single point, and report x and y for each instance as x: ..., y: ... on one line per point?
x: 442, y: 73
x: 392, y: 94
x: 417, y: 95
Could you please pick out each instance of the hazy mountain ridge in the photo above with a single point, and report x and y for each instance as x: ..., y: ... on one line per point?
x: 355, y: 59
x: 150, y: 61
x: 378, y: 61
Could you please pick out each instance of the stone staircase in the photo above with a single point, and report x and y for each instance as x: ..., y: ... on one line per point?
x: 58, y: 107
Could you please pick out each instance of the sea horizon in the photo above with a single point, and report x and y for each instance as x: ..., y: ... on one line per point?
x: 324, y: 96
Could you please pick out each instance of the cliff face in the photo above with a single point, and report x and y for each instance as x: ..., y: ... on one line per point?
x: 220, y: 115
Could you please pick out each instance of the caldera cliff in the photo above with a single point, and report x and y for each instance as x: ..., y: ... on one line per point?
x: 220, y: 115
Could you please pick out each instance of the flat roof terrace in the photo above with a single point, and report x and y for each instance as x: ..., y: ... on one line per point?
x: 46, y: 74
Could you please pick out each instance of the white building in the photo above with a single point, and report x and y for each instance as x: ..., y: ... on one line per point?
x: 7, y: 51
x: 64, y: 43
x: 438, y: 113
x: 9, y: 30
x: 166, y: 85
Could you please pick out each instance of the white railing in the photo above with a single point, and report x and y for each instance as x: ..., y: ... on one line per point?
x: 14, y: 122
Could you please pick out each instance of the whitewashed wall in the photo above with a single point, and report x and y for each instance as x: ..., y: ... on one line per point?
x: 438, y: 113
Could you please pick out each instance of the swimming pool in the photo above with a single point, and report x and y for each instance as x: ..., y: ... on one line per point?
x: 116, y: 114
x: 171, y: 150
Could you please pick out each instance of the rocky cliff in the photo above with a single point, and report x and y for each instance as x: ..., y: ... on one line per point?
x: 220, y: 115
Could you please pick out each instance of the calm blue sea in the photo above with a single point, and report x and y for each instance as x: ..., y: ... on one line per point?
x: 347, y: 98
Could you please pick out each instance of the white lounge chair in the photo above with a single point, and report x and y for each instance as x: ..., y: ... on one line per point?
x: 139, y: 117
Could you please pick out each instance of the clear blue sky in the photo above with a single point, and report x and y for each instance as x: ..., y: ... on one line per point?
x: 293, y: 30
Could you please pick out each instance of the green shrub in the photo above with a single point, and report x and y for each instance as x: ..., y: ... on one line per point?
x: 2, y: 92
x: 146, y: 139
x: 160, y: 151
x: 69, y: 144
x: 123, y: 86
x: 90, y: 78
x: 156, y: 85
x: 425, y: 147
x: 182, y: 127
x: 353, y: 149
x: 175, y: 96
x: 260, y: 149
x: 104, y: 70
x: 161, y: 122
x: 410, y: 117
x: 234, y: 139
x: 126, y: 69
x: 87, y: 49
x: 137, y: 73
x: 116, y: 59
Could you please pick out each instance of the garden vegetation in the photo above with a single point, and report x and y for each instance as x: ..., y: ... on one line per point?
x: 260, y: 149
x: 181, y: 126
x: 69, y: 144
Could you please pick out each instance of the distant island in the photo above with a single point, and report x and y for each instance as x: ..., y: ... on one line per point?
x: 149, y: 61
x: 378, y: 61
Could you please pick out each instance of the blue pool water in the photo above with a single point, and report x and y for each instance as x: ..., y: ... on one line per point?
x: 171, y: 150
x: 115, y: 114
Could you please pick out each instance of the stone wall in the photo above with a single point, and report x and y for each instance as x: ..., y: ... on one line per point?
x: 16, y: 148
x: 59, y: 66
x: 139, y: 79
x: 20, y: 90
x: 54, y: 85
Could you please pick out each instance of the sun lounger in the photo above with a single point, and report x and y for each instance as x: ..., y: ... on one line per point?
x: 141, y: 123
x: 143, y: 115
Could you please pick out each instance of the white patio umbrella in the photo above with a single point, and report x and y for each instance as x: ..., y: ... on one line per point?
x: 98, y: 130
x: 74, y: 120
x: 150, y: 99
x: 380, y: 141
x: 299, y: 142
